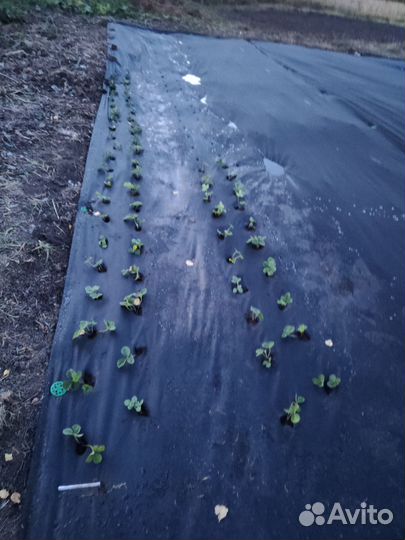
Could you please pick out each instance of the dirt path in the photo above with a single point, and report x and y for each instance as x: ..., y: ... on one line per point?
x: 51, y: 78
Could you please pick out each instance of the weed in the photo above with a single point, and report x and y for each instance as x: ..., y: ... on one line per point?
x: 132, y: 271
x: 133, y: 302
x: 86, y: 328
x: 225, y: 233
x: 126, y: 358
x: 257, y: 242
x: 136, y: 246
x: 255, y: 315
x: 134, y: 404
x: 285, y: 300
x: 103, y: 242
x: 264, y: 352
x: 269, y: 267
x: 219, y: 210
x: 94, y: 292
x: 292, y: 414
x: 132, y: 188
x: 251, y: 224
x: 135, y: 220
x: 236, y: 256
x: 319, y: 381
x: 97, y: 265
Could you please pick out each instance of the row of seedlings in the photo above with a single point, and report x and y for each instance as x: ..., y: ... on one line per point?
x: 291, y: 415
x: 78, y: 380
x: 133, y: 302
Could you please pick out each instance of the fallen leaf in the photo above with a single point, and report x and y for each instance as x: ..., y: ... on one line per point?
x: 328, y: 342
x: 16, y: 497
x: 8, y: 457
x: 221, y: 511
x: 6, y: 373
x: 4, y: 494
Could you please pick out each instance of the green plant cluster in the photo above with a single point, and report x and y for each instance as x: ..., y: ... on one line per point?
x: 133, y: 301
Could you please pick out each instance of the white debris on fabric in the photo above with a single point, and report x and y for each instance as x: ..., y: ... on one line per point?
x: 189, y: 262
x: 204, y: 100
x: 192, y: 79
x: 328, y: 342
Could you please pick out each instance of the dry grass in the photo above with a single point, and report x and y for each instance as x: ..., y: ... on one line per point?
x: 389, y: 11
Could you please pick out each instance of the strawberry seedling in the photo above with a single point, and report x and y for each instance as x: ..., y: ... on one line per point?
x: 134, y: 218
x: 133, y: 189
x: 292, y: 415
x: 257, y: 242
x: 225, y: 233
x: 97, y: 265
x: 94, y: 292
x: 86, y: 328
x: 132, y: 271
x: 269, y: 267
x: 135, y: 404
x: 285, y: 300
x: 127, y: 357
x: 235, y: 257
x: 136, y: 246
x: 219, y: 210
x: 133, y: 302
x: 265, y: 353
x: 254, y: 315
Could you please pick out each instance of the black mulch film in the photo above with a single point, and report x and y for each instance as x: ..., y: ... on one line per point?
x: 310, y: 144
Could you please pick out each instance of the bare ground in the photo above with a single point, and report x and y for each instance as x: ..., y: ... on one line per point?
x: 51, y: 73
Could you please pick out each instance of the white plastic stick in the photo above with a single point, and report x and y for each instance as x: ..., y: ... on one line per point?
x: 79, y: 486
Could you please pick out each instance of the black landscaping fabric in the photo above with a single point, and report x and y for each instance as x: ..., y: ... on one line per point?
x: 333, y: 216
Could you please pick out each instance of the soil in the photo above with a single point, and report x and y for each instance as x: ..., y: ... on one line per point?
x: 51, y: 73
x: 51, y: 76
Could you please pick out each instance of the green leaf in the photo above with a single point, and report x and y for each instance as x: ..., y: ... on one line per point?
x: 76, y: 428
x: 97, y: 458
x: 94, y: 292
x: 319, y: 381
x: 295, y: 418
x: 109, y: 326
x: 87, y: 388
x: 300, y: 399
x: 103, y: 242
x: 333, y: 381
x: 126, y: 351
x: 269, y: 267
x: 68, y: 431
x: 288, y: 331
x: 121, y: 362
x: 302, y: 328
x: 285, y: 300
